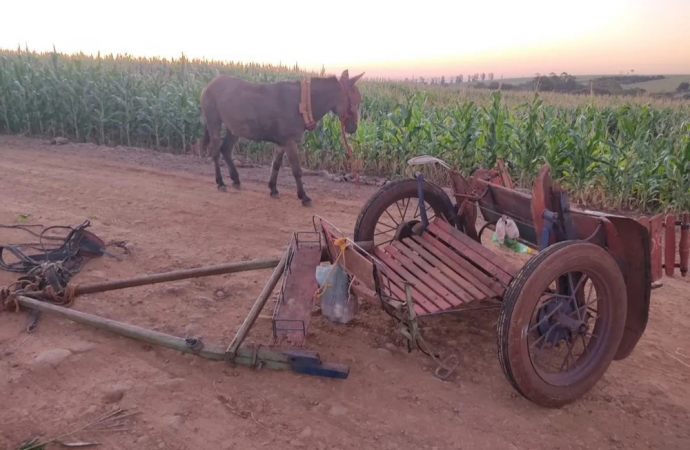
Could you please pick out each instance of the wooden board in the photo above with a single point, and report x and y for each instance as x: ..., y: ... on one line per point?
x: 291, y: 320
x: 446, y: 267
x: 473, y: 251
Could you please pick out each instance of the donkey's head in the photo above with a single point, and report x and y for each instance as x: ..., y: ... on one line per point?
x: 347, y: 107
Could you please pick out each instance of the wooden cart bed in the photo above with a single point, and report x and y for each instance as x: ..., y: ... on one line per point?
x: 446, y: 268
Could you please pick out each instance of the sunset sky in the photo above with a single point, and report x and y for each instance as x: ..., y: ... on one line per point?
x: 510, y: 38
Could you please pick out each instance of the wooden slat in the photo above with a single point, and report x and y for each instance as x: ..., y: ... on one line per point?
x: 475, y: 246
x: 420, y: 289
x: 446, y: 267
x: 397, y: 274
x: 424, y: 277
x: 468, y: 270
x: 469, y: 254
x: 435, y: 272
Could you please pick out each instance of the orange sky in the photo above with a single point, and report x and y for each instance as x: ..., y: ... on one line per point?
x: 511, y: 38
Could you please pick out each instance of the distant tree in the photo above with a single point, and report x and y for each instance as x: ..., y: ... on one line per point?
x: 458, y: 79
x: 683, y: 87
x: 483, y: 76
x: 443, y: 80
x: 491, y: 76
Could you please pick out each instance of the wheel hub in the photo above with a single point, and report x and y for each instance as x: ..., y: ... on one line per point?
x: 406, y: 229
x: 560, y: 324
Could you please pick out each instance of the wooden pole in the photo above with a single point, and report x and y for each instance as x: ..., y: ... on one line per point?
x: 258, y: 306
x: 124, y: 329
x: 245, y: 356
x: 299, y: 361
x: 219, y: 269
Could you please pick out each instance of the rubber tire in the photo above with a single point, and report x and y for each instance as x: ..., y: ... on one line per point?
x: 387, y: 195
x: 520, y: 300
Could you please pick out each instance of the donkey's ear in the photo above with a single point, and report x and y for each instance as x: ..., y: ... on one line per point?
x: 354, y: 79
x: 345, y: 75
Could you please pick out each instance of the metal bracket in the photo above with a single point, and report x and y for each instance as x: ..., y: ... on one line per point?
x: 420, y: 196
x: 567, y: 221
x: 309, y: 363
x: 550, y: 219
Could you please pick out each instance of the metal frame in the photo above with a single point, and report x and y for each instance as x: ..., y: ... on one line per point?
x: 293, y: 246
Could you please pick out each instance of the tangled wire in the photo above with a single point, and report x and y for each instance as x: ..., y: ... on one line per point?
x: 47, y: 274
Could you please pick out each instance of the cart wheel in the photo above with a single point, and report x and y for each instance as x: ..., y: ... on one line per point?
x: 394, y: 208
x: 561, y: 322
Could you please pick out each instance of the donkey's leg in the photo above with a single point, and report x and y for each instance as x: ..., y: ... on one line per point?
x: 293, y: 159
x: 226, y: 148
x: 278, y: 154
x: 214, y: 151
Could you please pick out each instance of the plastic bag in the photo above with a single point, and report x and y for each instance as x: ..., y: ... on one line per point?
x: 337, y: 305
x: 510, y: 244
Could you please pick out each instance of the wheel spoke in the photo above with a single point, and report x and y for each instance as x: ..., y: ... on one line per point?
x: 402, y: 216
x: 389, y: 215
x: 386, y: 225
x: 590, y: 292
x: 544, y: 336
x: 407, y: 203
x: 570, y: 353
x: 585, y: 307
x: 584, y: 344
x: 546, y: 317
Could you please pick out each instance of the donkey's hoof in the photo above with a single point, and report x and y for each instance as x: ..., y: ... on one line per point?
x: 275, y: 194
x: 306, y: 202
x: 223, y: 188
x: 237, y: 186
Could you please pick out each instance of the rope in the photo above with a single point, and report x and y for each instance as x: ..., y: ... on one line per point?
x: 348, y: 112
x: 45, y: 276
x: 305, y: 105
x: 349, y: 153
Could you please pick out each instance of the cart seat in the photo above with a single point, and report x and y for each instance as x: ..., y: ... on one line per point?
x: 446, y: 267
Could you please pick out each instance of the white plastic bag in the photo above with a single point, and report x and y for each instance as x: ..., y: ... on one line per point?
x: 337, y: 305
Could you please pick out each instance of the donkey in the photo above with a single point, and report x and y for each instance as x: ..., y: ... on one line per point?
x: 279, y: 113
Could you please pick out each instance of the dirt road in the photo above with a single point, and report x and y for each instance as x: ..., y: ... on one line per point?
x: 168, y: 209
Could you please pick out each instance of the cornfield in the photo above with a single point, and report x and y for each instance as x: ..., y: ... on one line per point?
x: 618, y: 153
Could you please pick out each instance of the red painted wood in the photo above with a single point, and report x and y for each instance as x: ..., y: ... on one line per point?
x: 458, y: 280
x: 670, y: 245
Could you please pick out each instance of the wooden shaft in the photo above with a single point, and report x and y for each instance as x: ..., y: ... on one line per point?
x: 219, y: 269
x: 124, y: 329
x: 256, y: 309
x: 245, y: 356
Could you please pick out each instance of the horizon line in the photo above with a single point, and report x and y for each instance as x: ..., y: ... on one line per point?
x: 291, y: 67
